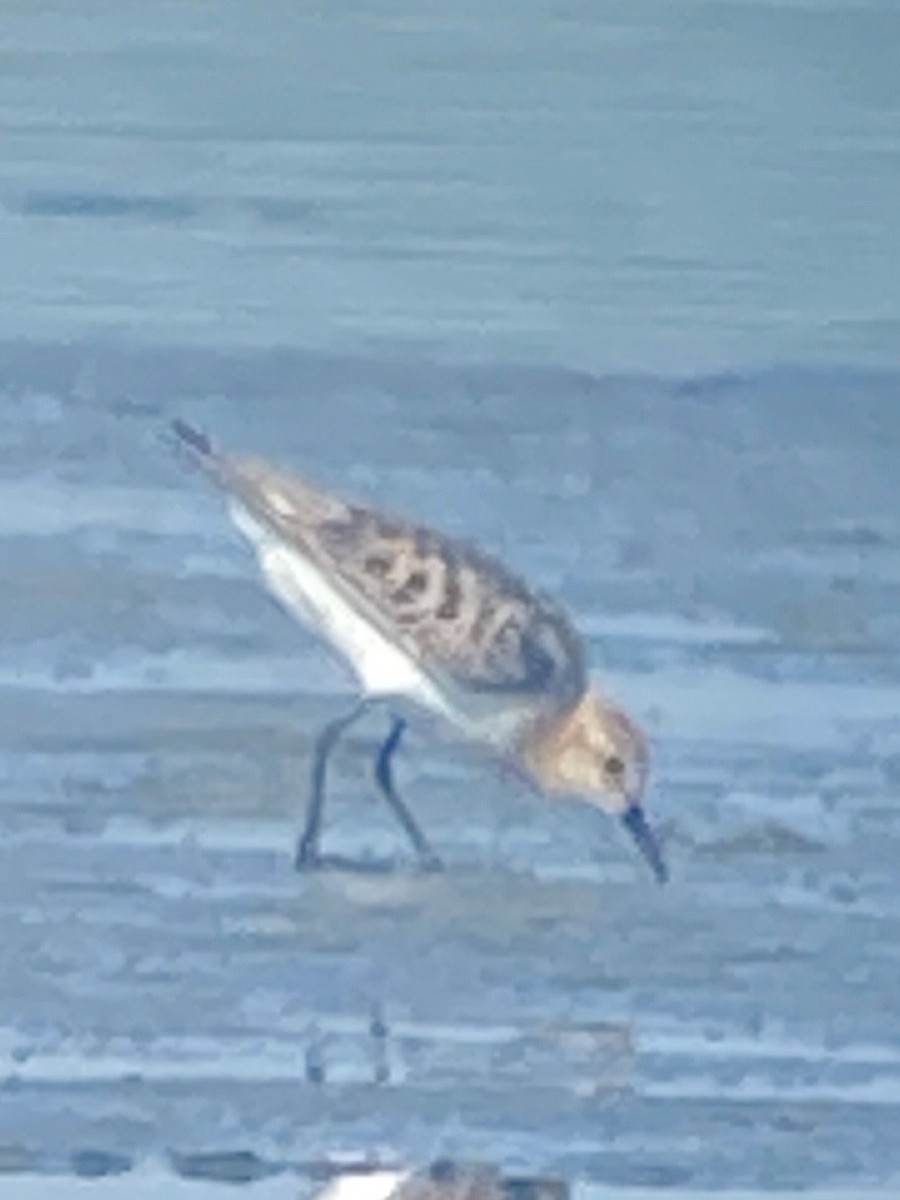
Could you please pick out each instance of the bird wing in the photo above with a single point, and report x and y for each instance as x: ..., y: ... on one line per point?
x: 461, y: 614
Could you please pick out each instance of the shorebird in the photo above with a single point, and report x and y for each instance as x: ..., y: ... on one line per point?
x: 428, y: 619
x: 443, y: 1180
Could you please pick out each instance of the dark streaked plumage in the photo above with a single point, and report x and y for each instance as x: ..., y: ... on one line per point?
x: 462, y: 614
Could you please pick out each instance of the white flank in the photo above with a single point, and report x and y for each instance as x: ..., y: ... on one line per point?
x: 383, y: 668
x: 368, y: 1185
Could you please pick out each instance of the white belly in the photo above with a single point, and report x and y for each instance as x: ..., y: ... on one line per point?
x: 383, y: 669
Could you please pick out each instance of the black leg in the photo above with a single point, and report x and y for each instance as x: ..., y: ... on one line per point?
x: 308, y: 846
x: 385, y: 780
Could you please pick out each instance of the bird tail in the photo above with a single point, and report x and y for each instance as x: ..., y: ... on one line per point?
x: 202, y: 452
x: 269, y: 495
x: 195, y: 441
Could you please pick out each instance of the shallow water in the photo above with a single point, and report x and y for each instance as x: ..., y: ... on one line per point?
x: 610, y: 290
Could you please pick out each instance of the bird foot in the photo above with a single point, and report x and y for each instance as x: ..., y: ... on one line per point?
x: 308, y: 857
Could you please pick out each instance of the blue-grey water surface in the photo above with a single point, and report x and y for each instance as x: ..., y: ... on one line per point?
x: 611, y: 288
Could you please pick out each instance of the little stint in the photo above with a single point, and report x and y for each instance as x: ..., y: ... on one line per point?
x: 427, y: 619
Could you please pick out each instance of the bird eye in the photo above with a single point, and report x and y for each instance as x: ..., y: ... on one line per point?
x: 614, y: 766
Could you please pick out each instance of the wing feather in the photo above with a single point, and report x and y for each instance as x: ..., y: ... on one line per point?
x: 461, y: 613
